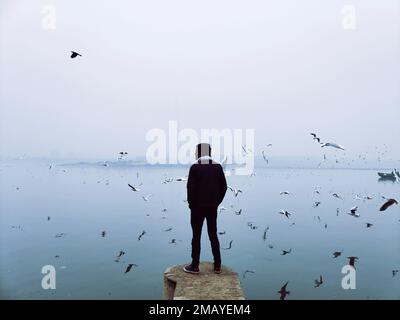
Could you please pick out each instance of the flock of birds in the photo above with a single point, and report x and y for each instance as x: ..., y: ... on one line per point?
x: 236, y: 192
x: 283, y: 292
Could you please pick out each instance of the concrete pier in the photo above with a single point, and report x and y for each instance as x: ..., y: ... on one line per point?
x: 179, y: 285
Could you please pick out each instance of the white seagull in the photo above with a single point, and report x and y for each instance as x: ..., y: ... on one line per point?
x: 353, y: 212
x: 181, y: 179
x: 147, y: 198
x: 134, y: 188
x: 235, y: 191
x: 333, y: 145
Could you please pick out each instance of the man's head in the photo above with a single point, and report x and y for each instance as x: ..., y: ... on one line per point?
x: 203, y: 149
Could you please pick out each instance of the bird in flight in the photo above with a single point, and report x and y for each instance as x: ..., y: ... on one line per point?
x: 336, y: 196
x: 246, y: 150
x: 265, y: 156
x: 394, y: 272
x: 59, y: 235
x: 181, y: 179
x: 318, y: 282
x: 285, y: 213
x: 333, y: 145
x: 147, y: 198
x: 235, y: 191
x: 141, y: 235
x: 315, y: 137
x: 337, y: 254
x: 265, y: 233
x: 129, y: 267
x: 247, y: 271
x: 369, y: 225
x: 134, y: 188
x: 238, y: 213
x: 122, y: 154
x: 284, y: 193
x: 103, y: 233
x: 353, y: 212
x: 120, y: 254
x: 283, y: 292
x: 316, y: 204
x: 74, y: 54
x: 284, y: 252
x: 229, y: 247
x: 352, y: 261
x: 388, y: 203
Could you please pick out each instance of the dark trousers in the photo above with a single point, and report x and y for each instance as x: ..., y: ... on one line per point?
x: 196, y: 220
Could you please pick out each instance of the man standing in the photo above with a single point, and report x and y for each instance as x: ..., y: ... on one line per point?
x: 206, y: 188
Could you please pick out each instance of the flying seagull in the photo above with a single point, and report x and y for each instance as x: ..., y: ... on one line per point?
x: 336, y: 196
x: 284, y: 193
x: 265, y: 233
x: 315, y: 137
x: 167, y: 180
x: 318, y: 282
x: 235, y: 191
x: 75, y: 54
x: 387, y: 204
x: 103, y: 233
x: 333, y: 145
x: 247, y: 271
x: 369, y: 225
x: 284, y: 252
x: 133, y: 187
x: 174, y: 241
x: 120, y: 254
x: 316, y: 204
x: 246, y: 150
x: 147, y: 198
x: 353, y: 212
x: 181, y: 179
x: 229, y: 247
x: 264, y: 156
x: 285, y: 213
x: 129, y: 267
x: 141, y: 235
x: 352, y: 261
x: 337, y: 254
x: 59, y: 235
x: 221, y: 209
x: 394, y: 272
x: 169, y: 229
x: 283, y: 292
x: 122, y: 154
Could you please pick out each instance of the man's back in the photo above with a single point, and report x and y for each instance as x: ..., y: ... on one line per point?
x: 206, y: 185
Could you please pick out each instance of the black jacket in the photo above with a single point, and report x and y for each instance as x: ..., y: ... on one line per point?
x: 206, y: 186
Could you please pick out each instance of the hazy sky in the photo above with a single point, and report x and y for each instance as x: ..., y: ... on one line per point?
x: 283, y: 68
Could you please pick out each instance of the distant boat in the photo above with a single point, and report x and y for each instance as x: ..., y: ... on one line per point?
x: 393, y: 176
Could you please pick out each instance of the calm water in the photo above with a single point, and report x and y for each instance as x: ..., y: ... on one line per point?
x: 82, y: 201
